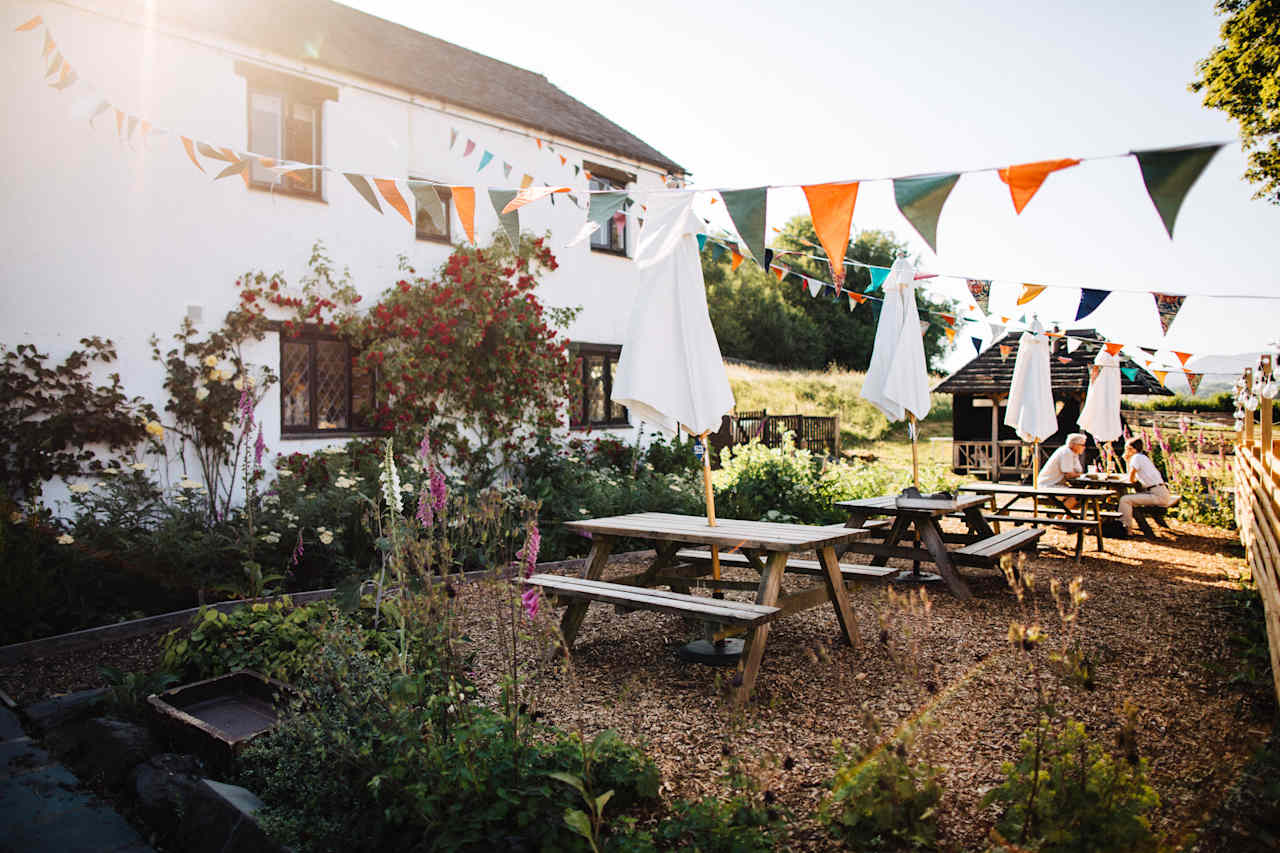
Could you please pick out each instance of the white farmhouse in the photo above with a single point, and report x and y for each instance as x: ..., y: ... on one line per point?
x: 110, y: 230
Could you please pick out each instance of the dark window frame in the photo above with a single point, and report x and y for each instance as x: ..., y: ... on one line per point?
x: 446, y: 198
x: 290, y: 90
x: 618, y: 180
x: 611, y: 354
x: 310, y: 335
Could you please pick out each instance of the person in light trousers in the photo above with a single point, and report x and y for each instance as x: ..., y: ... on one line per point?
x: 1142, y: 471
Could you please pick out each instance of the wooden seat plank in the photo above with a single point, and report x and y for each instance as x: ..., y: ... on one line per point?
x: 724, y: 611
x: 734, y: 533
x: 1057, y: 521
x: 794, y: 565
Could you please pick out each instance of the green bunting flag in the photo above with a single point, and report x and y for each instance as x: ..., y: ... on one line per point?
x: 747, y: 210
x: 605, y: 205
x: 878, y: 277
x: 717, y: 252
x: 1169, y: 174
x: 429, y: 204
x: 1090, y: 299
x: 485, y: 159
x: 1130, y: 373
x: 768, y: 258
x: 510, y: 221
x: 1167, y: 307
x: 362, y: 186
x: 921, y: 200
x: 576, y: 169
x: 702, y: 242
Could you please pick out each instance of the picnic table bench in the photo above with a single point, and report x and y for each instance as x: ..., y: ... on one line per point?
x: 1059, y: 515
x: 1142, y: 515
x: 981, y: 546
x: 764, y: 546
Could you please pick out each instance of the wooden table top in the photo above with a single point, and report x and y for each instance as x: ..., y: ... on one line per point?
x: 728, y: 532
x: 1104, y: 482
x: 888, y: 505
x: 1019, y: 489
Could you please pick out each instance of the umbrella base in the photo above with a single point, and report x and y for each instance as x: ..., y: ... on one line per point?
x: 913, y: 576
x: 706, y: 652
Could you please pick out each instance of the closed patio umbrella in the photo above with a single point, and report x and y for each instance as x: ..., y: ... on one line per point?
x: 1031, y: 410
x: 1100, y: 416
x: 897, y: 381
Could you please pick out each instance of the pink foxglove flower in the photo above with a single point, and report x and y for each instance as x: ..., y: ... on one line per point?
x: 529, y: 554
x: 439, y: 491
x: 424, y: 449
x: 424, y: 514
x: 259, y: 447
x: 297, y: 551
x: 531, y: 598
x: 246, y: 408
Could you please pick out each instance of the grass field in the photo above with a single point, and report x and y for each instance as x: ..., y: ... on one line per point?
x: 835, y: 391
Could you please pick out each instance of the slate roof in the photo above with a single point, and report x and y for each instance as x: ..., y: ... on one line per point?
x: 322, y: 32
x: 990, y: 374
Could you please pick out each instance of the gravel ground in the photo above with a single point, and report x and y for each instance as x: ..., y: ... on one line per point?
x: 1154, y: 628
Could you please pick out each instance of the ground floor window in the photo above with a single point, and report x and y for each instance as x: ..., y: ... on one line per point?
x: 591, y: 404
x: 321, y: 388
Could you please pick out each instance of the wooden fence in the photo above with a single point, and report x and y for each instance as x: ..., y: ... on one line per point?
x: 813, y: 433
x: 1257, y: 473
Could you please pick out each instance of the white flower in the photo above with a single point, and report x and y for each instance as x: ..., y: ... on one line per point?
x: 250, y: 381
x: 344, y: 483
x: 228, y: 426
x: 66, y: 539
x: 583, y: 511
x: 201, y: 393
x: 179, y: 499
x: 139, y: 466
x: 111, y: 470
x: 238, y: 385
x: 270, y: 500
x: 271, y: 538
x: 185, y: 483
x: 284, y: 472
x: 407, y: 487
x: 334, y: 451
x: 210, y: 361
x: 326, y: 537
x: 390, y: 480
x: 80, y: 488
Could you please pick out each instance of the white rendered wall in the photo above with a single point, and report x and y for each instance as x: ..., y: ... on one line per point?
x: 106, y: 238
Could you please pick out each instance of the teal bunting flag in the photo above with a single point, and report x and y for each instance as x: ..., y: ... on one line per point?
x: 921, y: 200
x: 605, y: 205
x: 361, y: 183
x: 717, y: 252
x: 510, y: 221
x: 485, y: 159
x: 1130, y: 373
x: 1169, y: 174
x: 429, y: 205
x: 747, y: 210
x: 879, y: 275
x: 702, y: 242
x: 1090, y: 299
x: 576, y: 169
x: 977, y: 345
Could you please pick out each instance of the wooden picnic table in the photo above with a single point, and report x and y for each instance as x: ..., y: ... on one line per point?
x: 1088, y: 516
x: 982, y: 546
x: 766, y: 545
x: 1120, y: 485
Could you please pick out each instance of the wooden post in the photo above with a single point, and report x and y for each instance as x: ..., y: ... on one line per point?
x: 915, y: 461
x: 837, y: 441
x: 995, y: 439
x: 1265, y: 406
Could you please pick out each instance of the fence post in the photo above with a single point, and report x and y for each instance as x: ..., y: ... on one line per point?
x: 837, y: 437
x: 1248, y: 415
x: 1265, y: 406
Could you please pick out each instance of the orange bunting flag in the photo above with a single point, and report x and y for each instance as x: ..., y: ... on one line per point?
x: 394, y: 197
x: 1005, y: 349
x: 527, y: 195
x: 1026, y: 179
x: 539, y: 141
x: 29, y: 25
x: 831, y: 208
x: 234, y: 169
x: 779, y: 272
x: 526, y: 181
x: 48, y: 44
x: 1029, y: 292
x: 119, y: 123
x: 464, y: 201
x: 1004, y: 320
x: 951, y: 334
x: 1182, y: 357
x: 1062, y: 359
x: 736, y: 262
x: 1160, y: 375
x: 949, y: 319
x: 186, y: 143
x: 855, y: 299
x: 1094, y: 370
x: 1113, y: 348
x: 563, y: 159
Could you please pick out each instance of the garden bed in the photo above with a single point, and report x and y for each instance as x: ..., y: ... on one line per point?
x: 1156, y: 628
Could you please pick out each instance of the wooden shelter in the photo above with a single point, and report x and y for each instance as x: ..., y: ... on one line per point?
x: 982, y: 445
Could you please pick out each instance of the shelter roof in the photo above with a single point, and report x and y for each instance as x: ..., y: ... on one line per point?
x: 324, y: 33
x: 991, y: 374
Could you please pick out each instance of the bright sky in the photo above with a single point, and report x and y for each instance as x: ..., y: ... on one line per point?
x: 807, y: 91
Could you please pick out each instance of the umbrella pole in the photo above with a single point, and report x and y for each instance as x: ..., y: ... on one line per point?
x: 710, y: 501
x: 915, y: 460
x: 1035, y: 477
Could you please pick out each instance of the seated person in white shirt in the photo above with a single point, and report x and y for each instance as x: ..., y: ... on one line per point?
x: 1063, y: 465
x: 1142, y: 471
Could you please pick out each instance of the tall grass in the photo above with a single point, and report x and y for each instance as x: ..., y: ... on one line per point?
x: 821, y: 392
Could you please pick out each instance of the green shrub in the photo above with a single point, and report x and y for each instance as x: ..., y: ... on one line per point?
x: 1067, y: 794
x: 882, y: 799
x: 737, y: 824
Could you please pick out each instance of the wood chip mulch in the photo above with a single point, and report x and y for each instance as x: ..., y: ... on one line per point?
x: 1155, y: 627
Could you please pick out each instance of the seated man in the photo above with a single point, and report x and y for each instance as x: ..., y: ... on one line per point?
x: 1064, y: 465
x: 1142, y: 471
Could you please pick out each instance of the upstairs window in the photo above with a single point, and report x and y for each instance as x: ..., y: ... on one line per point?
x: 285, y: 123
x: 612, y: 236
x: 322, y: 391
x: 592, y: 405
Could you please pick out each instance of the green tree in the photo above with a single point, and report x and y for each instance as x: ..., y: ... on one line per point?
x: 759, y: 318
x: 1241, y: 77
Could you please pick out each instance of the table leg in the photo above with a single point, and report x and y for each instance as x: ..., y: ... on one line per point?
x: 931, y: 535
x: 839, y: 595
x: 856, y: 519
x: 977, y: 524
x: 753, y: 648
x: 891, y: 539
x: 601, y: 546
x: 664, y: 556
x: 1097, y: 521
x: 995, y: 510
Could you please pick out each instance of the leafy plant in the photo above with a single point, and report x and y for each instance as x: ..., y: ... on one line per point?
x: 127, y: 692
x: 1066, y: 794
x: 882, y: 799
